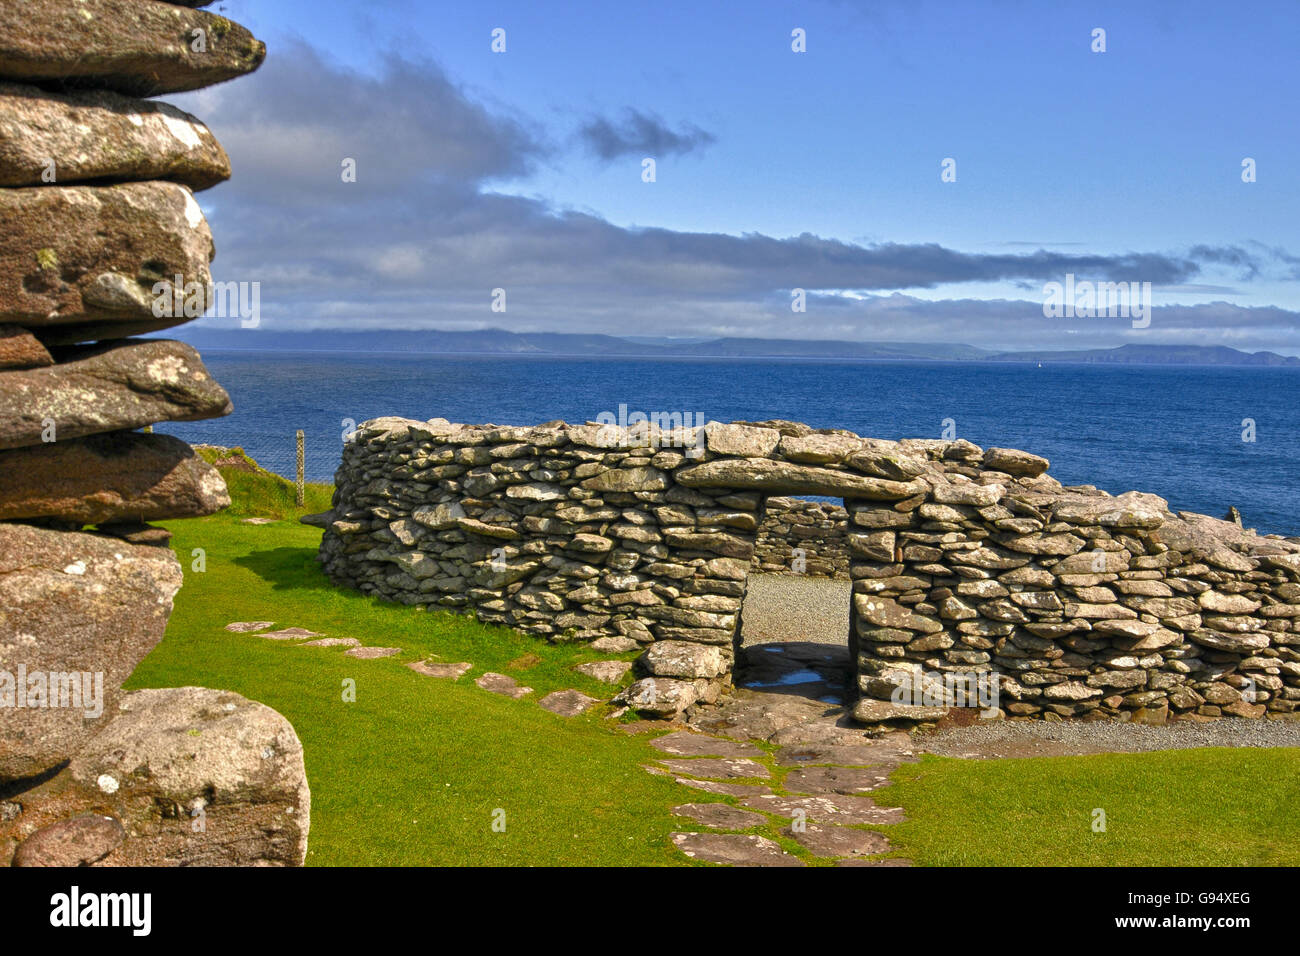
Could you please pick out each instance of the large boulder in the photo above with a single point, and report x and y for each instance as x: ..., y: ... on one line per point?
x: 66, y: 138
x: 684, y: 659
x: 192, y: 776
x: 72, y: 255
x: 139, y: 47
x: 112, y: 387
x: 78, y: 612
x: 115, y: 477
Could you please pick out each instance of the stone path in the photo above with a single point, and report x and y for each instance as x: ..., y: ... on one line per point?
x: 799, y: 774
x: 566, y: 703
x: 797, y: 769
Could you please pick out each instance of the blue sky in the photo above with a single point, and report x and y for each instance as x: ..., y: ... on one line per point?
x: 479, y: 170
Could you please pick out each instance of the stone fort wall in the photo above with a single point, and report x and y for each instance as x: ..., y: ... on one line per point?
x: 797, y: 536
x: 967, y: 564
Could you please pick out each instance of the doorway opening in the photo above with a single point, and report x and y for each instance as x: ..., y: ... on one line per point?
x: 793, y: 637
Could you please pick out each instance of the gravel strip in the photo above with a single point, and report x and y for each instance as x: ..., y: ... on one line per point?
x: 1040, y: 739
x: 795, y: 607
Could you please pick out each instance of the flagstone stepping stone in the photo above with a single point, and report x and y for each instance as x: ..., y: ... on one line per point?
x: 243, y: 627
x: 614, y: 645
x: 685, y: 744
x: 848, y: 780
x: 288, y: 634
x: 566, y: 703
x: 726, y: 789
x: 370, y: 653
x: 333, y: 642
x: 646, y: 726
x: 736, y: 849
x: 868, y: 861
x: 827, y: 808
x: 611, y: 672
x: 501, y: 684
x: 258, y: 521
x: 718, y: 768
x: 832, y: 841
x: 841, y: 754
x: 434, y: 668
x: 721, y: 816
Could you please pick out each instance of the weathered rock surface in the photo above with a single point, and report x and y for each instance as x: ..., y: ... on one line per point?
x: 139, y: 47
x: 734, y: 849
x: 67, y: 138
x: 195, y: 777
x: 833, y: 841
x: 73, y: 255
x: 20, y: 349
x: 78, y: 612
x: 113, y: 477
x: 567, y: 703
x: 684, y: 659
x: 77, y: 841
x: 108, y: 388
x: 720, y: 816
x: 763, y: 474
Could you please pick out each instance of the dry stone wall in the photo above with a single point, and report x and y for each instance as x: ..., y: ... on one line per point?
x: 972, y: 569
x: 797, y: 536
x: 98, y: 223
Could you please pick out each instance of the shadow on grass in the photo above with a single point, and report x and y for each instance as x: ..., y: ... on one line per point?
x: 287, y: 569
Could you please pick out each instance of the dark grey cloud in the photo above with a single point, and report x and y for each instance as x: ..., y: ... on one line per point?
x: 640, y: 134
x: 423, y: 236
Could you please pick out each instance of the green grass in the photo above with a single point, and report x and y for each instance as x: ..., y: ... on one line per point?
x: 1211, y: 807
x: 254, y: 491
x: 412, y: 771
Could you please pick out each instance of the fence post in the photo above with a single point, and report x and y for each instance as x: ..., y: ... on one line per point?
x: 301, y: 496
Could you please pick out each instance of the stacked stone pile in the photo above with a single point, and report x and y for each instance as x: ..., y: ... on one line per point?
x: 803, y: 537
x: 98, y: 222
x: 964, y: 561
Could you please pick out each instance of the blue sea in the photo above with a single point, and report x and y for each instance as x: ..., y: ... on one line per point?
x: 1176, y: 431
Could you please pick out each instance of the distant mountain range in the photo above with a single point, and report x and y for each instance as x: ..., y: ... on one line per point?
x: 501, y: 342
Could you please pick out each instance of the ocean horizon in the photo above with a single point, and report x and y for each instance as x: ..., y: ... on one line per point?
x: 1182, y: 432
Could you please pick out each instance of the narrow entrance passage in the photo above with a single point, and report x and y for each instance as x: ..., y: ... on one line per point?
x: 793, y: 636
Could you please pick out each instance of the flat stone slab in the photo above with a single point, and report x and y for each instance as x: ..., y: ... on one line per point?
x: 867, y: 861
x: 846, y: 780
x: 434, y: 668
x: 686, y: 744
x: 243, y: 627
x: 611, y: 672
x: 718, y: 768
x: 332, y: 642
x: 827, y: 808
x: 502, y: 684
x: 734, y: 849
x: 637, y: 727
x: 141, y: 49
x: 832, y: 841
x: 288, y: 634
x: 725, y: 789
x: 614, y: 645
x: 845, y: 755
x: 566, y: 703
x: 370, y: 653
x: 720, y: 816
x: 257, y: 521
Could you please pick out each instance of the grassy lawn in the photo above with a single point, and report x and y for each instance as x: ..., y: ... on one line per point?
x: 1211, y: 807
x: 413, y: 771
